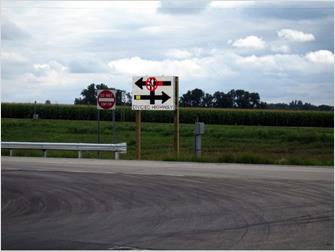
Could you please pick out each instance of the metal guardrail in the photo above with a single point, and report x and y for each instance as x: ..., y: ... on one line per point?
x: 116, y: 148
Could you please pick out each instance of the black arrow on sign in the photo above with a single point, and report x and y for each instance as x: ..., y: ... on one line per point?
x: 140, y: 83
x: 152, y: 97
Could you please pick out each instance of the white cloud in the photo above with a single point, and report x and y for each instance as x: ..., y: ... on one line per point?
x: 179, y: 54
x: 252, y: 42
x: 51, y: 66
x: 13, y: 57
x: 230, y: 4
x: 210, y: 66
x: 282, y: 63
x: 253, y: 60
x: 60, y: 88
x: 222, y: 65
x: 153, y: 29
x: 52, y: 73
x: 295, y: 36
x: 321, y: 56
x: 39, y: 67
x: 280, y: 48
x: 139, y: 66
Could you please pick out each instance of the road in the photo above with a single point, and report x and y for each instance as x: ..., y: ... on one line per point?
x: 52, y: 203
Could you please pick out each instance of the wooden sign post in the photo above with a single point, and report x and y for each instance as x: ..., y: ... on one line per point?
x: 138, y: 134
x: 176, y: 117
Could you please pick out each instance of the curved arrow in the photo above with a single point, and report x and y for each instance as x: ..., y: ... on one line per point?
x: 152, y: 97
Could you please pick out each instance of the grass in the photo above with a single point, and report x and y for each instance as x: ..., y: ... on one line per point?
x: 233, y: 144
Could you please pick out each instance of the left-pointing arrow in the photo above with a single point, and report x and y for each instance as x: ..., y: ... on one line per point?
x: 152, y: 97
x: 140, y: 83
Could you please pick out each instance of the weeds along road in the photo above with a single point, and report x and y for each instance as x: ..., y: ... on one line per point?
x: 107, y: 204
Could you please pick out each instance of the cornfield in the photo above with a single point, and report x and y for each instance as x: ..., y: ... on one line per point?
x: 187, y: 115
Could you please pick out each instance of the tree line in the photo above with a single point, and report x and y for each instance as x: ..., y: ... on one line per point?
x: 198, y: 98
x: 233, y: 99
x: 89, y: 95
x: 241, y: 99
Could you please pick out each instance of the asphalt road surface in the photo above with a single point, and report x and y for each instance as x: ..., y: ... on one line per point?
x: 106, y: 204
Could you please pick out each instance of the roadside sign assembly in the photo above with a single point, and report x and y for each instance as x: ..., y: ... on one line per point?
x: 106, y: 100
x: 155, y: 93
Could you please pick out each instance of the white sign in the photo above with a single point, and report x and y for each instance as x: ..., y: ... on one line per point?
x: 153, y: 93
x: 106, y: 99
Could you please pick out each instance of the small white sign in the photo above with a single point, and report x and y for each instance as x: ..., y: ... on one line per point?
x: 153, y: 93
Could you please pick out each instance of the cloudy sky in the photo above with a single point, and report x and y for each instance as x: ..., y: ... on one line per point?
x: 51, y: 50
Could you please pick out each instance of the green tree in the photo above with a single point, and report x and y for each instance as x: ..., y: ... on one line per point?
x: 296, y: 104
x: 254, y: 100
x: 193, y: 98
x: 244, y: 99
x: 241, y: 98
x: 89, y: 95
x: 197, y: 97
x: 186, y: 100
x: 207, y: 100
x: 234, y: 98
x: 222, y: 100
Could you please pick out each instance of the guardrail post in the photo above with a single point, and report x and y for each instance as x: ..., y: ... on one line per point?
x: 45, y: 153
x: 116, y: 155
x: 80, y: 154
x: 11, y: 152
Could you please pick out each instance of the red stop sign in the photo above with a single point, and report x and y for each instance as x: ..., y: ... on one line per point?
x: 106, y: 99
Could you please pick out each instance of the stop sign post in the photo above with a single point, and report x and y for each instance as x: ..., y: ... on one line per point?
x: 106, y: 100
